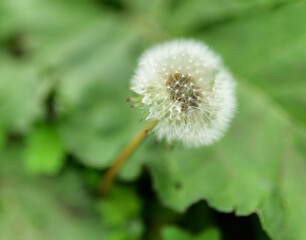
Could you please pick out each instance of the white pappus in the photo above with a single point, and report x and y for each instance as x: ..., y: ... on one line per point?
x: 185, y: 87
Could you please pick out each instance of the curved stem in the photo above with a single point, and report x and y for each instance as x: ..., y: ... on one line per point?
x: 112, y: 172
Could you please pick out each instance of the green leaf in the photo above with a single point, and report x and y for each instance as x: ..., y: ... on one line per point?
x: 268, y: 49
x: 25, y: 16
x: 2, y: 138
x: 199, y: 15
x: 209, y: 234
x: 120, y: 212
x: 22, y: 91
x: 40, y: 208
x: 25, y: 82
x: 44, y: 151
x: 175, y: 233
x: 97, y: 120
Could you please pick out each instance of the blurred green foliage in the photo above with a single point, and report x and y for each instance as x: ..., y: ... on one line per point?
x: 170, y: 233
x: 44, y: 141
x: 64, y: 75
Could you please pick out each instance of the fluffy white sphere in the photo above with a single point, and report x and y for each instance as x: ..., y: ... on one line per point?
x: 186, y: 88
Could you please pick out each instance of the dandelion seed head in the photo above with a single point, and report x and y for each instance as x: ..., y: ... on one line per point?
x: 187, y: 89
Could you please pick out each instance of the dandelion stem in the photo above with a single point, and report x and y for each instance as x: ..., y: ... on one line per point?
x: 112, y: 172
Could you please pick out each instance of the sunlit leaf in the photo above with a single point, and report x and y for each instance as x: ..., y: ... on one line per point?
x: 44, y: 151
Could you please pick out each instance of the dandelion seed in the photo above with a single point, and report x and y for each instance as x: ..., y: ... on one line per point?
x: 194, y: 101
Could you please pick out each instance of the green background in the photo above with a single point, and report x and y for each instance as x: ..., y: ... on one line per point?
x: 65, y: 67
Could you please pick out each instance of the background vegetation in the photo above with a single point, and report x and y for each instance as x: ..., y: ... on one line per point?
x: 65, y: 67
